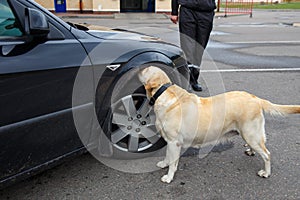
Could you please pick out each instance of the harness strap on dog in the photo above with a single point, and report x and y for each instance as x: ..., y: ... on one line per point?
x: 158, y: 93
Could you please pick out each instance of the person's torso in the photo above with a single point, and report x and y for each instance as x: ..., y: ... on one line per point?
x: 201, y: 5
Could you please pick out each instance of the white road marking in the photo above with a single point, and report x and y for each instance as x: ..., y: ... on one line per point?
x: 251, y: 70
x: 266, y: 42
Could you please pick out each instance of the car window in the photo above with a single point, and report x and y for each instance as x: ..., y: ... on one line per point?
x: 8, y: 22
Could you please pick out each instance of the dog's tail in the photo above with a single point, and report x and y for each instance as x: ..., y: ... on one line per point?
x: 275, y: 109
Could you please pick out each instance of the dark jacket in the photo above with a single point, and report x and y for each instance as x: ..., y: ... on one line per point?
x: 199, y: 5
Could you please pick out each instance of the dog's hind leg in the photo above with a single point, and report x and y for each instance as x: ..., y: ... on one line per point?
x: 261, y: 149
x: 265, y: 154
x: 172, y: 157
x: 254, y: 135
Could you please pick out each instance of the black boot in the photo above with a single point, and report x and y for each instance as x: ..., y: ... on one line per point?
x: 197, y: 87
x: 194, y: 75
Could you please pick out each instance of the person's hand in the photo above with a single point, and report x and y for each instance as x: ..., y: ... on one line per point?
x: 174, y: 19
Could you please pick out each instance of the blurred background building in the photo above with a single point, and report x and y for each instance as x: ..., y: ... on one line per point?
x: 106, y: 6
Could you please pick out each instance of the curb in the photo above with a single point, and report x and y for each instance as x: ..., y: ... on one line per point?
x: 140, y: 16
x: 129, y: 16
x: 82, y: 16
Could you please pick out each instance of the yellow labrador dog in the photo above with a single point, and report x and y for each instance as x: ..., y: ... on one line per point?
x: 185, y: 120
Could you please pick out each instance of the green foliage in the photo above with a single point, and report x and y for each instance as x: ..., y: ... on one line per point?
x: 264, y: 5
x: 293, y: 5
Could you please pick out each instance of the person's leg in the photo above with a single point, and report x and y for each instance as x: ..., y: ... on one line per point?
x: 187, y: 29
x: 203, y: 29
x: 189, y: 47
x: 188, y: 32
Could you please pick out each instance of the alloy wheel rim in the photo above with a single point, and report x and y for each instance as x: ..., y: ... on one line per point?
x: 133, y: 124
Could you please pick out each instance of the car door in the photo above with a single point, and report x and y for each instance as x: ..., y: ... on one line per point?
x: 37, y: 74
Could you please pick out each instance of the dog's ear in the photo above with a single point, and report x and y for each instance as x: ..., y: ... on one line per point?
x: 152, y: 84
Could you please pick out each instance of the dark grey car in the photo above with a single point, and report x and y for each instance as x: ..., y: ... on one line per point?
x: 65, y: 89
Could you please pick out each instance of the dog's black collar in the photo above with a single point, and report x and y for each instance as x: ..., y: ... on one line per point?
x: 158, y: 93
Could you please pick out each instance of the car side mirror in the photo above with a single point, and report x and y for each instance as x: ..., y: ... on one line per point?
x: 36, y: 23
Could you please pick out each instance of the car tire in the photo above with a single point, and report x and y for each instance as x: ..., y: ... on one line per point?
x: 130, y: 124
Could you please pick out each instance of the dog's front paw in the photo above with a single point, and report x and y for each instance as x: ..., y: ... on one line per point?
x: 262, y: 173
x: 166, y: 179
x: 162, y: 164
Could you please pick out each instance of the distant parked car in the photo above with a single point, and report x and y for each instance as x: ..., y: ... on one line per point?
x: 65, y: 89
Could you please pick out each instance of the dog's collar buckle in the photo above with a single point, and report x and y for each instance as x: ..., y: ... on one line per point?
x: 163, y: 88
x: 152, y: 101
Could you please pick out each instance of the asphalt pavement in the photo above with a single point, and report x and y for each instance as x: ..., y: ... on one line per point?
x: 260, y: 55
